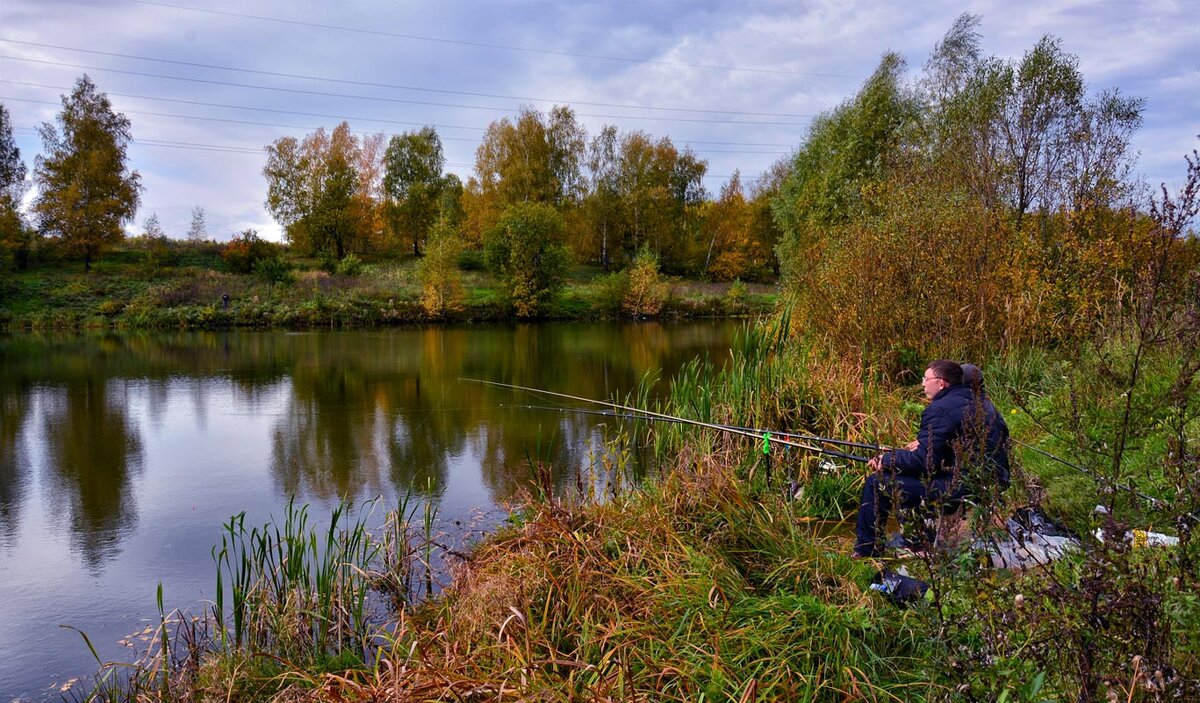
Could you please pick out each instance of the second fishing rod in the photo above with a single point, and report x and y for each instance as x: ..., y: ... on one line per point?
x: 766, y: 436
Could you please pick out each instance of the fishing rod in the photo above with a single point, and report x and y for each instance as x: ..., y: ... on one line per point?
x: 1156, y: 502
x: 765, y: 436
x: 758, y: 432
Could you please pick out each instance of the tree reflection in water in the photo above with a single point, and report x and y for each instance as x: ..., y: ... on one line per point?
x: 93, y: 453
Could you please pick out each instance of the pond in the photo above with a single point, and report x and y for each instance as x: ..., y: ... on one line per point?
x: 122, y: 455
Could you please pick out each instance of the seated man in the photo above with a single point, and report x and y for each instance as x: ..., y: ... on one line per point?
x: 991, y: 435
x: 910, y: 476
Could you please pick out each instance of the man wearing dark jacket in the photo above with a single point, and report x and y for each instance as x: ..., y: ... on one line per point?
x: 910, y: 476
x: 991, y: 434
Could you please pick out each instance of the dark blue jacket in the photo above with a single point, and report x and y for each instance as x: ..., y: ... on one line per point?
x: 995, y: 432
x: 941, y: 427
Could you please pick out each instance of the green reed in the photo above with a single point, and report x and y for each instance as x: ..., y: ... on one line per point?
x: 303, y: 592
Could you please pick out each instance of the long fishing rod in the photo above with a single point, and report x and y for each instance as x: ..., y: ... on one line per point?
x: 1156, y: 502
x: 757, y: 431
x: 764, y: 436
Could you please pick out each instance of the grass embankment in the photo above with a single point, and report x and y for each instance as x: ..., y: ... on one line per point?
x: 711, y: 583
x: 126, y: 290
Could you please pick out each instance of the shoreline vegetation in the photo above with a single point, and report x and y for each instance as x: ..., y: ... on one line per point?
x: 131, y: 289
x: 715, y: 578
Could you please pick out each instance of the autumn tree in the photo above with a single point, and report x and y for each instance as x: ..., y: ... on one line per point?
x: 311, y: 186
x: 660, y: 188
x: 603, y: 204
x: 14, y: 234
x: 537, y: 158
x: 525, y: 248
x: 369, y: 200
x: 86, y: 191
x: 413, y: 183
x: 731, y: 251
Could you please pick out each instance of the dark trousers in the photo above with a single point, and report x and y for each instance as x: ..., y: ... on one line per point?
x: 883, y: 493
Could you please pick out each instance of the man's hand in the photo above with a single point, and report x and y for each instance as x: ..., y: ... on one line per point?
x: 875, y: 464
x: 912, y: 446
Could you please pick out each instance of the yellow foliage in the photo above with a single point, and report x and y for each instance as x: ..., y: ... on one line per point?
x: 647, y: 291
x: 442, y: 291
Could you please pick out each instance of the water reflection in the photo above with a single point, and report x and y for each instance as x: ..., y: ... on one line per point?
x: 342, y: 413
x: 93, y: 452
x: 14, y: 408
x: 122, y: 454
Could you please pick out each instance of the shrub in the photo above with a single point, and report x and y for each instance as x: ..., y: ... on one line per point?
x: 471, y: 260
x: 350, y: 265
x: 441, y: 282
x: 525, y: 248
x: 245, y: 250
x: 274, y: 270
x: 647, y: 291
x: 735, y: 297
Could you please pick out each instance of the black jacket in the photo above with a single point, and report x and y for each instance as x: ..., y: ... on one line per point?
x: 941, y: 427
x: 995, y: 440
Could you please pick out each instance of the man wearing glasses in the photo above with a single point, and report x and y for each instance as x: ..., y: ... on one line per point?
x: 906, y: 477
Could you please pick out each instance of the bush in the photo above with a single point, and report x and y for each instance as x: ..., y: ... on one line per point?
x: 274, y: 270
x: 525, y: 248
x: 646, y: 293
x: 246, y: 250
x: 610, y: 290
x: 471, y: 260
x: 441, y: 283
x: 351, y: 265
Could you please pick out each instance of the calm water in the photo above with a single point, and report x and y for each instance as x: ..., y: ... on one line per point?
x: 122, y: 455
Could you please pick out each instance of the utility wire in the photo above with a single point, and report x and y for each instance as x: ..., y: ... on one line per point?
x: 369, y: 84
x: 340, y: 118
x: 503, y: 47
x: 300, y: 127
x: 458, y: 106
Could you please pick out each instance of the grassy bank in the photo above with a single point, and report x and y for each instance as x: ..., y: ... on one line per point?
x: 128, y: 288
x: 727, y: 577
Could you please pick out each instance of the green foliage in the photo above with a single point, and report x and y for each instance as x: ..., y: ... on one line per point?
x: 273, y: 269
x: 525, y: 248
x: 85, y: 191
x: 414, y: 184
x: 246, y: 250
x: 311, y: 190
x: 350, y: 265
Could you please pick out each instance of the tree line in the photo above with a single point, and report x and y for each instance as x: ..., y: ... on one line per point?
x: 335, y: 193
x: 992, y: 195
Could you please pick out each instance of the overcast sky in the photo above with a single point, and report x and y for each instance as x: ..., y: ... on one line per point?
x: 208, y: 84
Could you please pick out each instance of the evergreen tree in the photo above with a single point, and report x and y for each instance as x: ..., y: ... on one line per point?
x: 86, y: 190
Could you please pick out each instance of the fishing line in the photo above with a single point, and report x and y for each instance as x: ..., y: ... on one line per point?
x: 765, y: 436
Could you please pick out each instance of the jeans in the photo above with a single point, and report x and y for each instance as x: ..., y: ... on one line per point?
x: 884, y: 492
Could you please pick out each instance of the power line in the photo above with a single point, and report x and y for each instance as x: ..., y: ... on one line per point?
x: 191, y: 146
x: 336, y: 117
x: 370, y: 84
x: 299, y: 91
x: 258, y: 109
x: 301, y: 127
x: 458, y: 42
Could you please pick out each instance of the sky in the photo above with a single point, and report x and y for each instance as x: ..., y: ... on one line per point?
x: 207, y: 85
